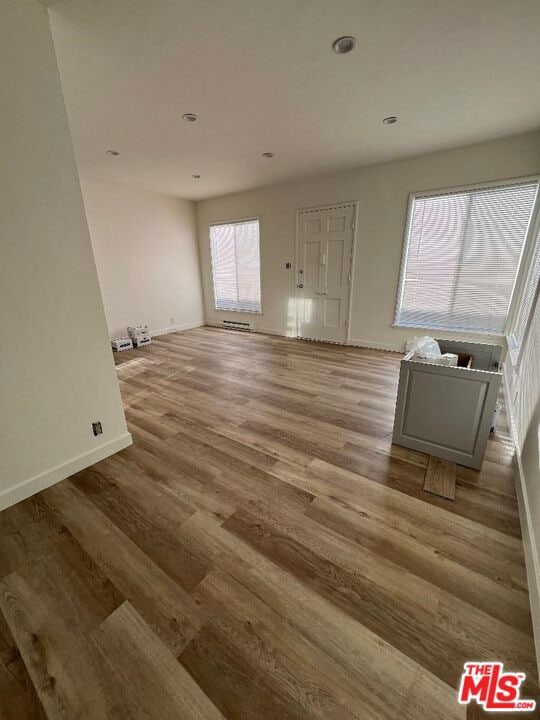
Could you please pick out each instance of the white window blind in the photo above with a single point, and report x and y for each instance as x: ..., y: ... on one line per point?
x: 527, y: 298
x: 236, y: 266
x: 461, y: 257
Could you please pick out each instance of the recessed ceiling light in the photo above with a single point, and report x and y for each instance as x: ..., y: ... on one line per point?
x: 268, y: 155
x: 114, y: 153
x: 196, y: 177
x: 390, y: 120
x: 344, y: 44
x: 190, y: 117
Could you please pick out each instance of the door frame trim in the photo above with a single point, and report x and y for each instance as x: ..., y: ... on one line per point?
x: 317, y: 208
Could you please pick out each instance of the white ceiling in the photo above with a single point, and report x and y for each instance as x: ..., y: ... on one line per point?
x: 262, y: 76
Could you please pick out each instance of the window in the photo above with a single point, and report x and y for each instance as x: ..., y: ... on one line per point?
x: 236, y: 266
x: 461, y: 257
x: 527, y: 296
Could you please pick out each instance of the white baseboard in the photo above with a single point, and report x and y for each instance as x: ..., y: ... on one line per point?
x: 176, y: 328
x: 35, y: 484
x: 532, y: 561
x: 374, y: 345
x: 393, y: 347
x: 273, y: 331
x: 352, y: 341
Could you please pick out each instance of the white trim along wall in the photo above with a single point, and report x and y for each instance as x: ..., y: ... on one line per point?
x: 32, y: 485
x: 177, y: 328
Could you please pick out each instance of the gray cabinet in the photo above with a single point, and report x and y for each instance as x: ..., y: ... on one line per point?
x: 447, y: 411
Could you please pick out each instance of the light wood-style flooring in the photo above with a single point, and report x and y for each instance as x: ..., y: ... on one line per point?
x: 261, y: 552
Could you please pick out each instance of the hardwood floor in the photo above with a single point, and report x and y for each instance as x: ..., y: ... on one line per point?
x: 262, y: 552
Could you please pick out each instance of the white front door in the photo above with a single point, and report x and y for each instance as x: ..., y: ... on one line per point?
x: 325, y: 242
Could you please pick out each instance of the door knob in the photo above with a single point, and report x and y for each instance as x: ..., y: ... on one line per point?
x: 300, y: 285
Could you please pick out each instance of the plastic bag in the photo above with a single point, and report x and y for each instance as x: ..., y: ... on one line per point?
x: 425, y: 347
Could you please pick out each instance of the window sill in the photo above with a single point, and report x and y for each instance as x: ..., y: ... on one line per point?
x: 242, y: 312
x: 454, y: 331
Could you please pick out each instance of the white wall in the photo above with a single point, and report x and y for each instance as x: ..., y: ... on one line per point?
x: 56, y: 368
x: 523, y: 400
x: 145, y: 246
x: 381, y: 192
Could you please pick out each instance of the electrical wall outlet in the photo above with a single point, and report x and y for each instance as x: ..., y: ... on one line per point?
x: 96, y: 428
